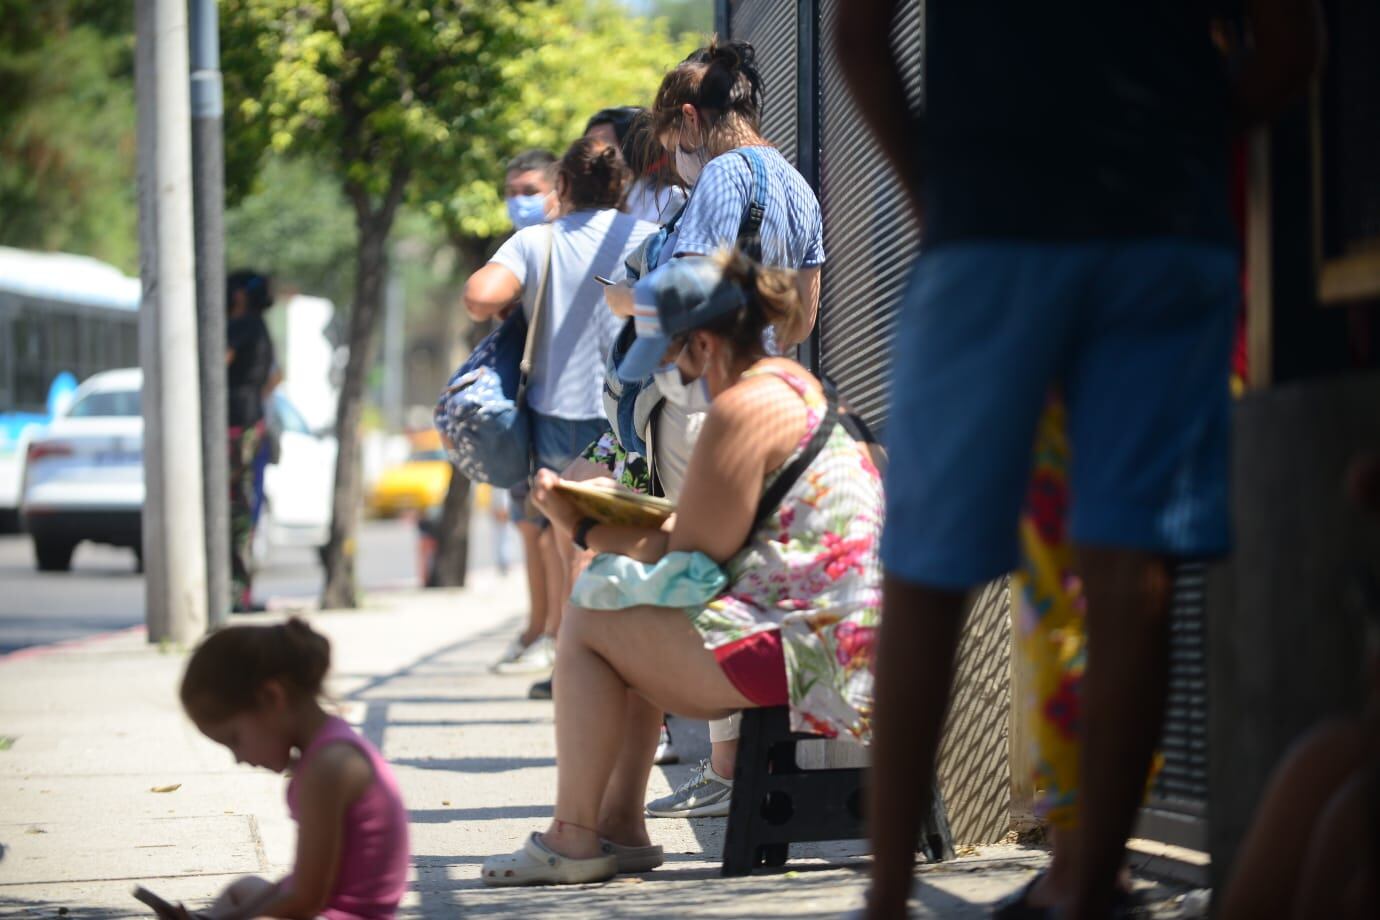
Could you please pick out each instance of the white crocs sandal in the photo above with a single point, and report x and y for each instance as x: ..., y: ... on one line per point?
x: 537, y: 864
x: 633, y: 860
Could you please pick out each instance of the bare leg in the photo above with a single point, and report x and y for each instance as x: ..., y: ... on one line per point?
x: 1268, y: 871
x: 1123, y: 709
x: 600, y: 655
x: 622, y: 818
x: 915, y: 664
x: 556, y: 595
x: 536, y: 581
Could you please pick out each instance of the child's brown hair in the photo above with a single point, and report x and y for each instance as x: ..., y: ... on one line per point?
x: 229, y: 668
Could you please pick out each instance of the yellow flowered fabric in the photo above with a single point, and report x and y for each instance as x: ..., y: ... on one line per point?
x: 1049, y: 616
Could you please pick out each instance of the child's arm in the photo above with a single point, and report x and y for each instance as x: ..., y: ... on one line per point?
x: 335, y: 779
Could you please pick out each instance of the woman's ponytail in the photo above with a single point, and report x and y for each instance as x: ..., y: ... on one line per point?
x: 773, y: 300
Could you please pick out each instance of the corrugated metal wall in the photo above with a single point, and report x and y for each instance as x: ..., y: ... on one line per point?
x: 772, y: 27
x: 870, y: 237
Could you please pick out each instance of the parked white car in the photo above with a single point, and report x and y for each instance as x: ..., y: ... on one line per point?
x: 84, y: 477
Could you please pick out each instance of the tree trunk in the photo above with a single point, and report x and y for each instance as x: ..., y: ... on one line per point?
x: 451, y: 563
x: 372, y: 268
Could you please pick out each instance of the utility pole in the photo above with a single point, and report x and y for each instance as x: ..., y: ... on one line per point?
x: 208, y: 200
x: 174, y: 530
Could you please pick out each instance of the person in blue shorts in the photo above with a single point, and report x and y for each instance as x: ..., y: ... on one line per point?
x: 1070, y: 171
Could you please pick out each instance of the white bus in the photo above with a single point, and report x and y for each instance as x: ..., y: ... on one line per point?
x: 62, y: 318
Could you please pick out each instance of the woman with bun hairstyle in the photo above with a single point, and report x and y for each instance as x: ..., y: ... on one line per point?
x: 706, y: 115
x: 256, y: 690
x: 762, y: 590
x: 706, y: 123
x: 589, y: 237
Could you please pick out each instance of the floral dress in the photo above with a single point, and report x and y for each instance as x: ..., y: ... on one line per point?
x: 812, y: 571
x: 1049, y: 610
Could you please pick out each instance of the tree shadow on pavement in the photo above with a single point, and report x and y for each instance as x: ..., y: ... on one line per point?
x: 24, y: 908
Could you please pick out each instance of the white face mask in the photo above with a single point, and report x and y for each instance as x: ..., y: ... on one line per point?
x: 689, y: 397
x: 689, y: 165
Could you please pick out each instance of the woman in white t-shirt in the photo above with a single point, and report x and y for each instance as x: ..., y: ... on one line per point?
x: 589, y: 237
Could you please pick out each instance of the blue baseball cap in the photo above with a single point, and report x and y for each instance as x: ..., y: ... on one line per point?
x: 682, y: 295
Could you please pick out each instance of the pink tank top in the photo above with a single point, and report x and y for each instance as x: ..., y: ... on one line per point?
x: 374, y: 854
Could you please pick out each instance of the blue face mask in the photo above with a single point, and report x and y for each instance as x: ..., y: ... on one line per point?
x: 526, y: 210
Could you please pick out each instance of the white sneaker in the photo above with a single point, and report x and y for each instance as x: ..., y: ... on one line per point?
x: 705, y: 794
x: 510, y: 654
x: 537, y: 658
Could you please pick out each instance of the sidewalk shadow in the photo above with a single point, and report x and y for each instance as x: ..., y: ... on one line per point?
x: 475, y: 764
x: 482, y: 813
x: 22, y: 907
x: 670, y: 893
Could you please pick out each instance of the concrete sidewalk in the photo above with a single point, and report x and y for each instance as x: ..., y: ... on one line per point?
x: 105, y: 783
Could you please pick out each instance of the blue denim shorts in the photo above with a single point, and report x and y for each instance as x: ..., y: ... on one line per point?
x: 1136, y: 333
x: 556, y: 442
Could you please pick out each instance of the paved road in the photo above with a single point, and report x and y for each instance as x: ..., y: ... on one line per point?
x: 103, y: 592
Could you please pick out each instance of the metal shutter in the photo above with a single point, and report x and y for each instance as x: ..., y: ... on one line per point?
x: 1176, y: 812
x: 771, y: 26
x: 870, y: 237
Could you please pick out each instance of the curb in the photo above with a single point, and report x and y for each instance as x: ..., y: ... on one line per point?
x: 67, y: 645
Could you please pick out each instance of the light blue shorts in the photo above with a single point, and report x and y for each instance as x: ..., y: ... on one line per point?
x: 556, y: 443
x: 1136, y: 333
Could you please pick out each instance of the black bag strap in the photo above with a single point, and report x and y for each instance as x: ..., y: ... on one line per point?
x: 852, y: 423
x: 776, y: 493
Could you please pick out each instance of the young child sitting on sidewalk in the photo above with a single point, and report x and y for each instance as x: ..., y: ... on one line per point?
x: 256, y: 690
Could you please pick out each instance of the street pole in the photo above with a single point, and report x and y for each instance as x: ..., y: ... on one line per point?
x: 174, y: 530
x: 208, y: 199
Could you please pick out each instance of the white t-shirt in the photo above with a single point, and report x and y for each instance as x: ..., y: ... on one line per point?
x: 647, y: 202
x: 673, y: 442
x: 577, y: 328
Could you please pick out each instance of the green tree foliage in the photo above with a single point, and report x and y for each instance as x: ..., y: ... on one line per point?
x: 580, y: 56
x: 685, y: 17
x: 67, y: 128
x: 419, y: 100
x: 294, y: 224
x: 380, y: 94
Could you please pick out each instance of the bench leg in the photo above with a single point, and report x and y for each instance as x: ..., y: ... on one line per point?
x: 740, y: 856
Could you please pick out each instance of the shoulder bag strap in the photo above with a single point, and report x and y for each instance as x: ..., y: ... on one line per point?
x: 776, y: 494
x: 750, y: 228
x: 538, y: 310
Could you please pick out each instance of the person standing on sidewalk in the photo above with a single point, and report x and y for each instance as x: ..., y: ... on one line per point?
x: 589, y: 237
x: 528, y: 194
x: 249, y: 364
x: 1070, y: 168
x: 707, y: 119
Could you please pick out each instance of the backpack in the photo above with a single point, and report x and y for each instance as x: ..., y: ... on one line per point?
x: 631, y: 407
x: 482, y: 413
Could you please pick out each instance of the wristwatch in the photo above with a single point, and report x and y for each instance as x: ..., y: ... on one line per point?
x: 582, y: 530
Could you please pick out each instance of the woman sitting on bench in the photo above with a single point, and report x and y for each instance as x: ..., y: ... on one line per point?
x: 764, y: 589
